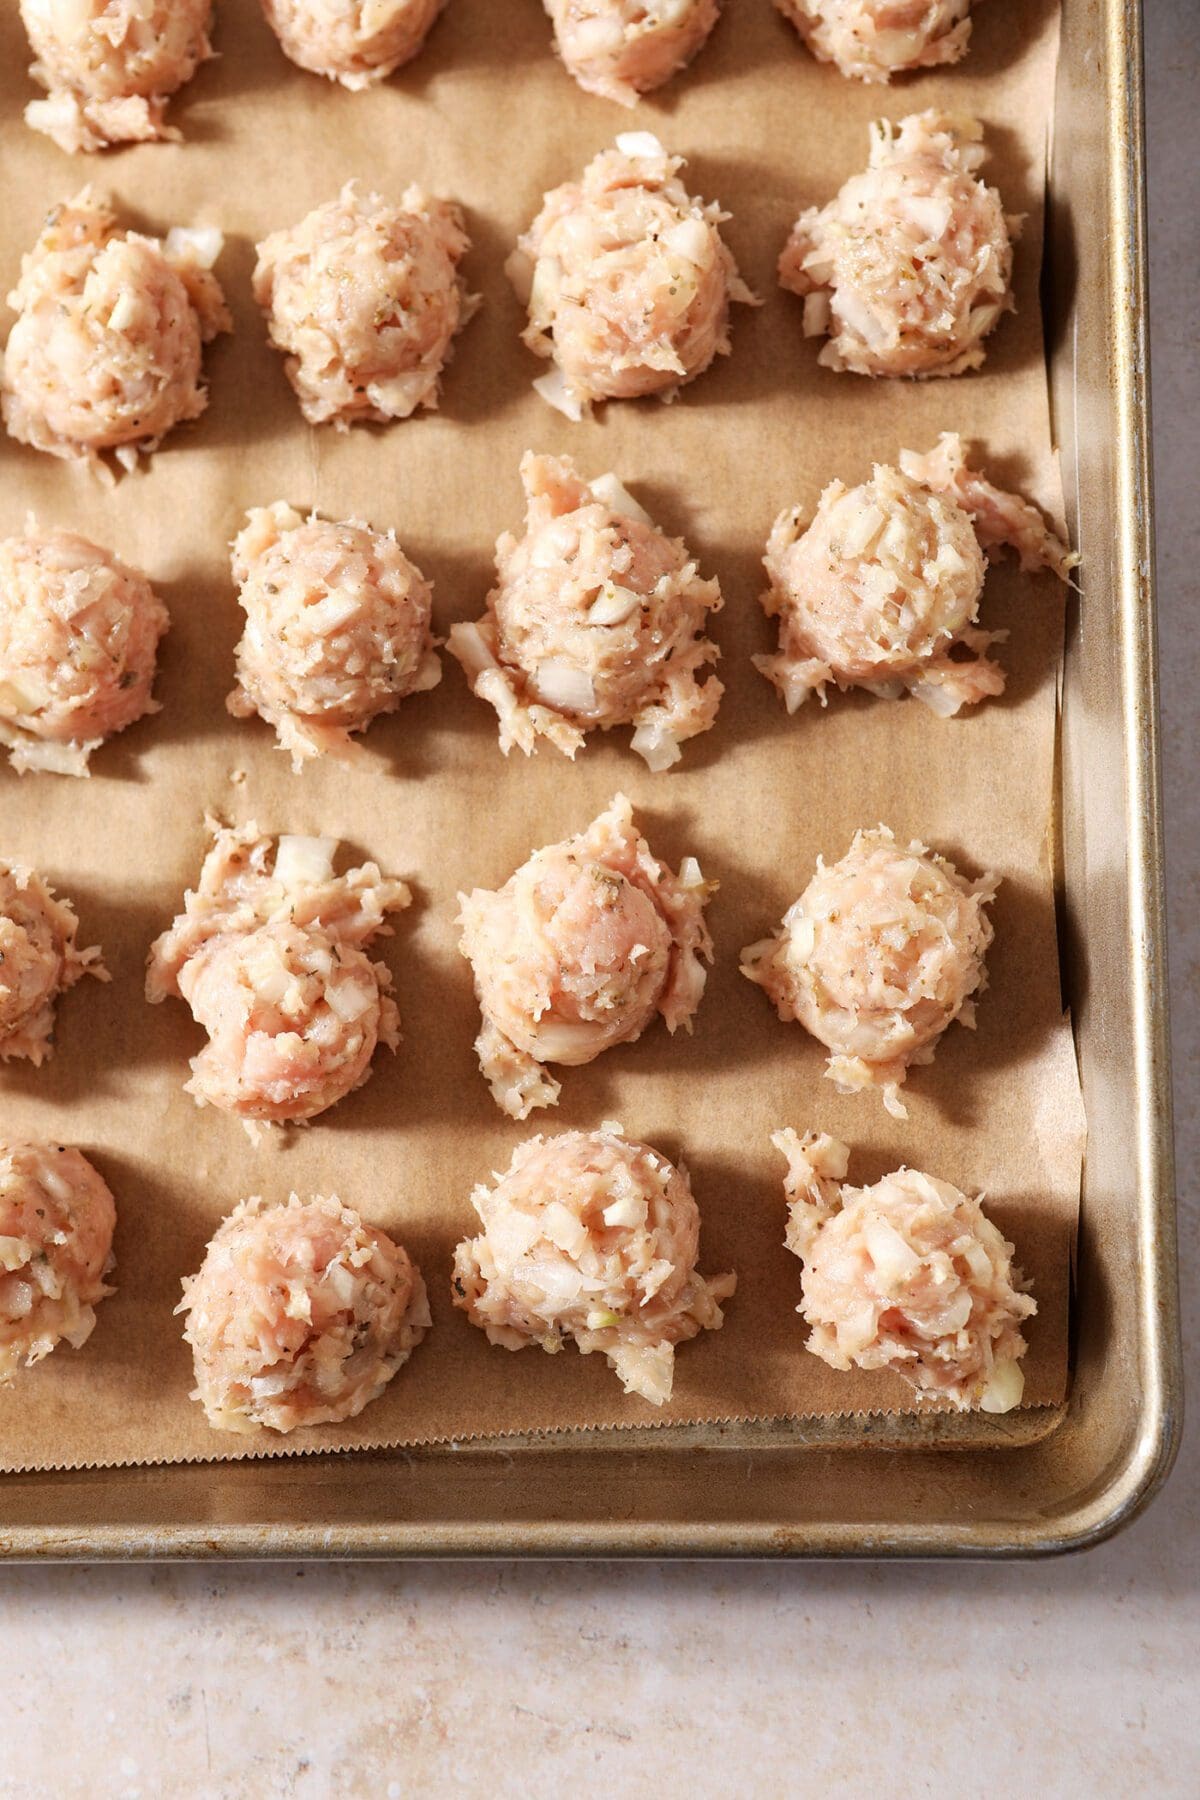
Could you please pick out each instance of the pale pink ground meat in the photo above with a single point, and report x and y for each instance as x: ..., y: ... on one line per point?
x: 582, y: 948
x: 621, y: 49
x: 110, y: 66
x: 872, y: 40
x: 908, y: 1275
x: 79, y: 634
x: 56, y: 1229
x: 300, y: 1315
x: 597, y: 619
x: 364, y: 298
x: 627, y: 280
x: 270, y: 954
x: 593, y: 1239
x: 909, y: 268
x: 881, y: 952
x: 106, y: 350
x: 39, y: 961
x: 354, y: 42
x: 337, y: 629
x: 881, y: 589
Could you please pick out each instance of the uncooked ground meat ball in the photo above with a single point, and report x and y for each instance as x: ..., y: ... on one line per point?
x: 337, y: 629
x: 597, y: 619
x: 872, y: 40
x: 578, y: 951
x: 879, y: 954
x: 627, y: 280
x: 110, y: 66
x: 908, y: 1275
x: 269, y: 953
x: 364, y: 298
x: 38, y: 962
x: 106, y: 350
x: 79, y: 635
x: 300, y: 1315
x: 356, y: 42
x: 620, y: 49
x: 909, y: 268
x: 56, y: 1230
x: 593, y: 1238
x: 882, y: 588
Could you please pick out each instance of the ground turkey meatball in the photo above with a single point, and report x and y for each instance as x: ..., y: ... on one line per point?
x: 106, y: 350
x: 908, y: 1275
x: 620, y: 49
x: 337, y: 629
x: 627, y: 280
x: 79, y: 635
x: 872, y: 40
x: 56, y: 1230
x: 364, y: 298
x: 879, y: 954
x: 881, y: 589
x: 269, y: 953
x: 593, y: 1238
x: 356, y: 42
x: 38, y: 962
x: 909, y: 268
x: 110, y: 66
x: 578, y: 951
x: 597, y: 619
x: 300, y: 1315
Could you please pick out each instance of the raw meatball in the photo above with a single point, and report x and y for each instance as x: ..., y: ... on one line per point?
x: 910, y: 267
x: 79, y: 635
x: 110, y: 66
x: 356, y: 42
x: 908, y: 1275
x: 38, y: 962
x: 627, y: 280
x: 879, y: 954
x: 56, y: 1230
x: 300, y: 1315
x: 591, y: 1237
x: 597, y: 619
x: 620, y: 49
x: 106, y: 350
x: 269, y: 953
x: 872, y: 40
x: 578, y: 951
x: 882, y: 588
x: 337, y: 629
x: 364, y: 298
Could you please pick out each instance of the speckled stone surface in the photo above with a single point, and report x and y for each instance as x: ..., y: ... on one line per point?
x: 1071, y: 1679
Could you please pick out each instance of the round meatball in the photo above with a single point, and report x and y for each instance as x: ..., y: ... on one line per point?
x: 38, y: 962
x: 337, y: 629
x: 621, y: 49
x: 355, y: 42
x: 872, y: 40
x: 908, y: 1275
x: 106, y: 350
x: 79, y: 635
x: 881, y: 952
x: 579, y: 950
x: 594, y: 1238
x: 110, y: 66
x: 910, y: 267
x: 597, y: 619
x: 300, y: 1315
x: 627, y: 280
x: 364, y: 298
x: 56, y: 1229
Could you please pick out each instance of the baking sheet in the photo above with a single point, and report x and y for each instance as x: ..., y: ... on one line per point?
x: 491, y: 119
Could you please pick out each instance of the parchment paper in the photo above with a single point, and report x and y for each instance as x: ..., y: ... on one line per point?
x: 488, y: 116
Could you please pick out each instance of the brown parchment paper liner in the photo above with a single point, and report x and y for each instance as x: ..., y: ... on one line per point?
x: 488, y: 116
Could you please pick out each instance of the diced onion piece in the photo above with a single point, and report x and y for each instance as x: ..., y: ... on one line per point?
x: 304, y: 861
x: 1004, y: 1389
x: 639, y: 143
x: 555, y: 392
x: 613, y: 492
x: 199, y: 244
